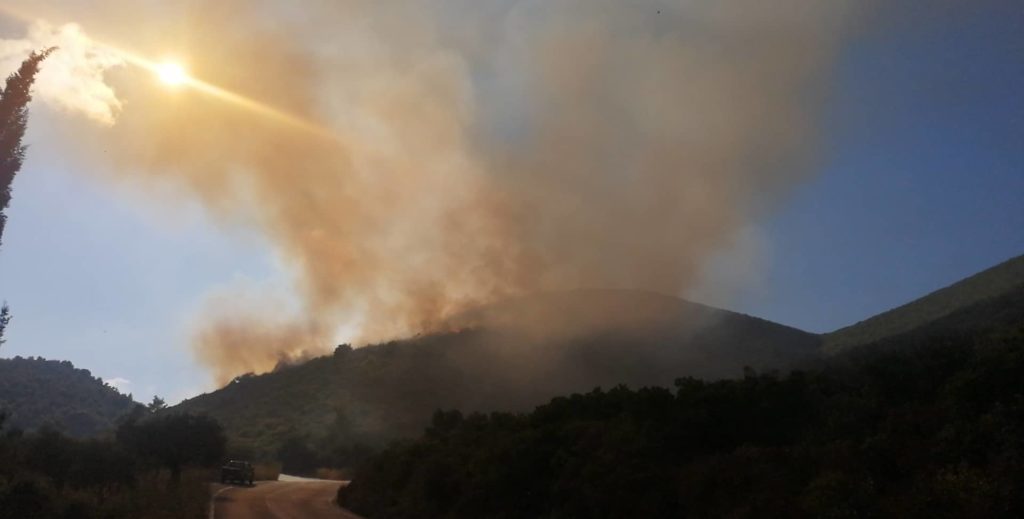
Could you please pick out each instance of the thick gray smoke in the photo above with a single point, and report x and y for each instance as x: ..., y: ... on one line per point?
x: 483, y: 148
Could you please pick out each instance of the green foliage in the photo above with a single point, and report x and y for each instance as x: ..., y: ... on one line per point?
x: 37, y: 392
x: 993, y: 282
x: 342, y: 405
x: 923, y: 424
x: 14, y: 100
x: 48, y: 475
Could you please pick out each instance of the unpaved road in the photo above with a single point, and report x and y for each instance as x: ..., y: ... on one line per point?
x: 295, y: 499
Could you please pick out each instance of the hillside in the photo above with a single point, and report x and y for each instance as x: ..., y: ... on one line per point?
x: 509, y: 356
x: 998, y: 318
x: 36, y: 392
x: 987, y: 284
x: 925, y: 423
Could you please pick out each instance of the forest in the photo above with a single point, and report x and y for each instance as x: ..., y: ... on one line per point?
x: 153, y: 467
x: 928, y: 423
x: 35, y: 392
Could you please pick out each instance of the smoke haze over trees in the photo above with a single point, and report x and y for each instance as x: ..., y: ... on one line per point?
x: 928, y: 423
x: 509, y: 362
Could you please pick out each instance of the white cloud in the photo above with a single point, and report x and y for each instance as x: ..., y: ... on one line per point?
x: 71, y: 79
x: 119, y: 383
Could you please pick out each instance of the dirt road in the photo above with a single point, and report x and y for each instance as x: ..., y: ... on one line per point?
x: 296, y: 499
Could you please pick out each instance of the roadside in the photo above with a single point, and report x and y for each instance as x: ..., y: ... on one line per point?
x: 288, y: 497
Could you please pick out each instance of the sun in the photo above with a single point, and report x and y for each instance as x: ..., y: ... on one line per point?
x: 171, y: 73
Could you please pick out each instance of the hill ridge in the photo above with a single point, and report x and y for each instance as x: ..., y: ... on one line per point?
x: 991, y: 282
x: 615, y: 337
x: 35, y: 392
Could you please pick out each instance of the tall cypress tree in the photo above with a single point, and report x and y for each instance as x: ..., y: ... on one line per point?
x: 14, y: 100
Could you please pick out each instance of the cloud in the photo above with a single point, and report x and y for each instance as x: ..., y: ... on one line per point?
x: 73, y: 77
x: 119, y: 383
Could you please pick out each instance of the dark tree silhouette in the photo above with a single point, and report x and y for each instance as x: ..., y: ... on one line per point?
x: 13, y: 119
x: 50, y: 454
x: 5, y: 319
x: 922, y: 424
x: 14, y: 100
x: 158, y: 404
x: 297, y: 456
x: 175, y: 441
x: 45, y: 474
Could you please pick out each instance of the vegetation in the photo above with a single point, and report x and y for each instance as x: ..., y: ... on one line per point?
x: 157, y: 404
x: 995, y: 281
x: 335, y: 408
x: 174, y: 441
x: 14, y: 100
x: 924, y: 424
x: 48, y: 475
x: 5, y: 319
x: 36, y: 392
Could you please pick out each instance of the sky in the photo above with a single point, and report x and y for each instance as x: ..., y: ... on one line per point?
x: 924, y: 179
x: 919, y: 183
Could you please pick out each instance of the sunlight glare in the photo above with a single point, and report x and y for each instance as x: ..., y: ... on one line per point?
x: 171, y: 73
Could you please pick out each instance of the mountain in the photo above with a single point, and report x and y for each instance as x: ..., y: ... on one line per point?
x: 518, y: 353
x: 35, y: 392
x: 993, y: 282
x: 509, y: 356
x: 997, y: 318
x: 923, y: 423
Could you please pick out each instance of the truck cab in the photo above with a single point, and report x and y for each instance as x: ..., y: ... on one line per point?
x: 236, y: 471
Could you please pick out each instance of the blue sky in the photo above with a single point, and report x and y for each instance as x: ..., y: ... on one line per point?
x: 923, y: 180
x: 921, y: 183
x: 109, y: 283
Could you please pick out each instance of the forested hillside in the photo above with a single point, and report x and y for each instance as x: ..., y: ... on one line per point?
x: 992, y: 282
x: 928, y: 423
x: 36, y: 392
x: 508, y: 357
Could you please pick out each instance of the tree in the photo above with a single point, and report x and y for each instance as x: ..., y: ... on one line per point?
x: 296, y: 456
x: 13, y: 119
x: 51, y: 453
x: 14, y: 100
x: 158, y: 404
x: 5, y: 319
x: 175, y: 441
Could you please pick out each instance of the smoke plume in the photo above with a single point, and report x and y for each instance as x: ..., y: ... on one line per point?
x: 482, y: 149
